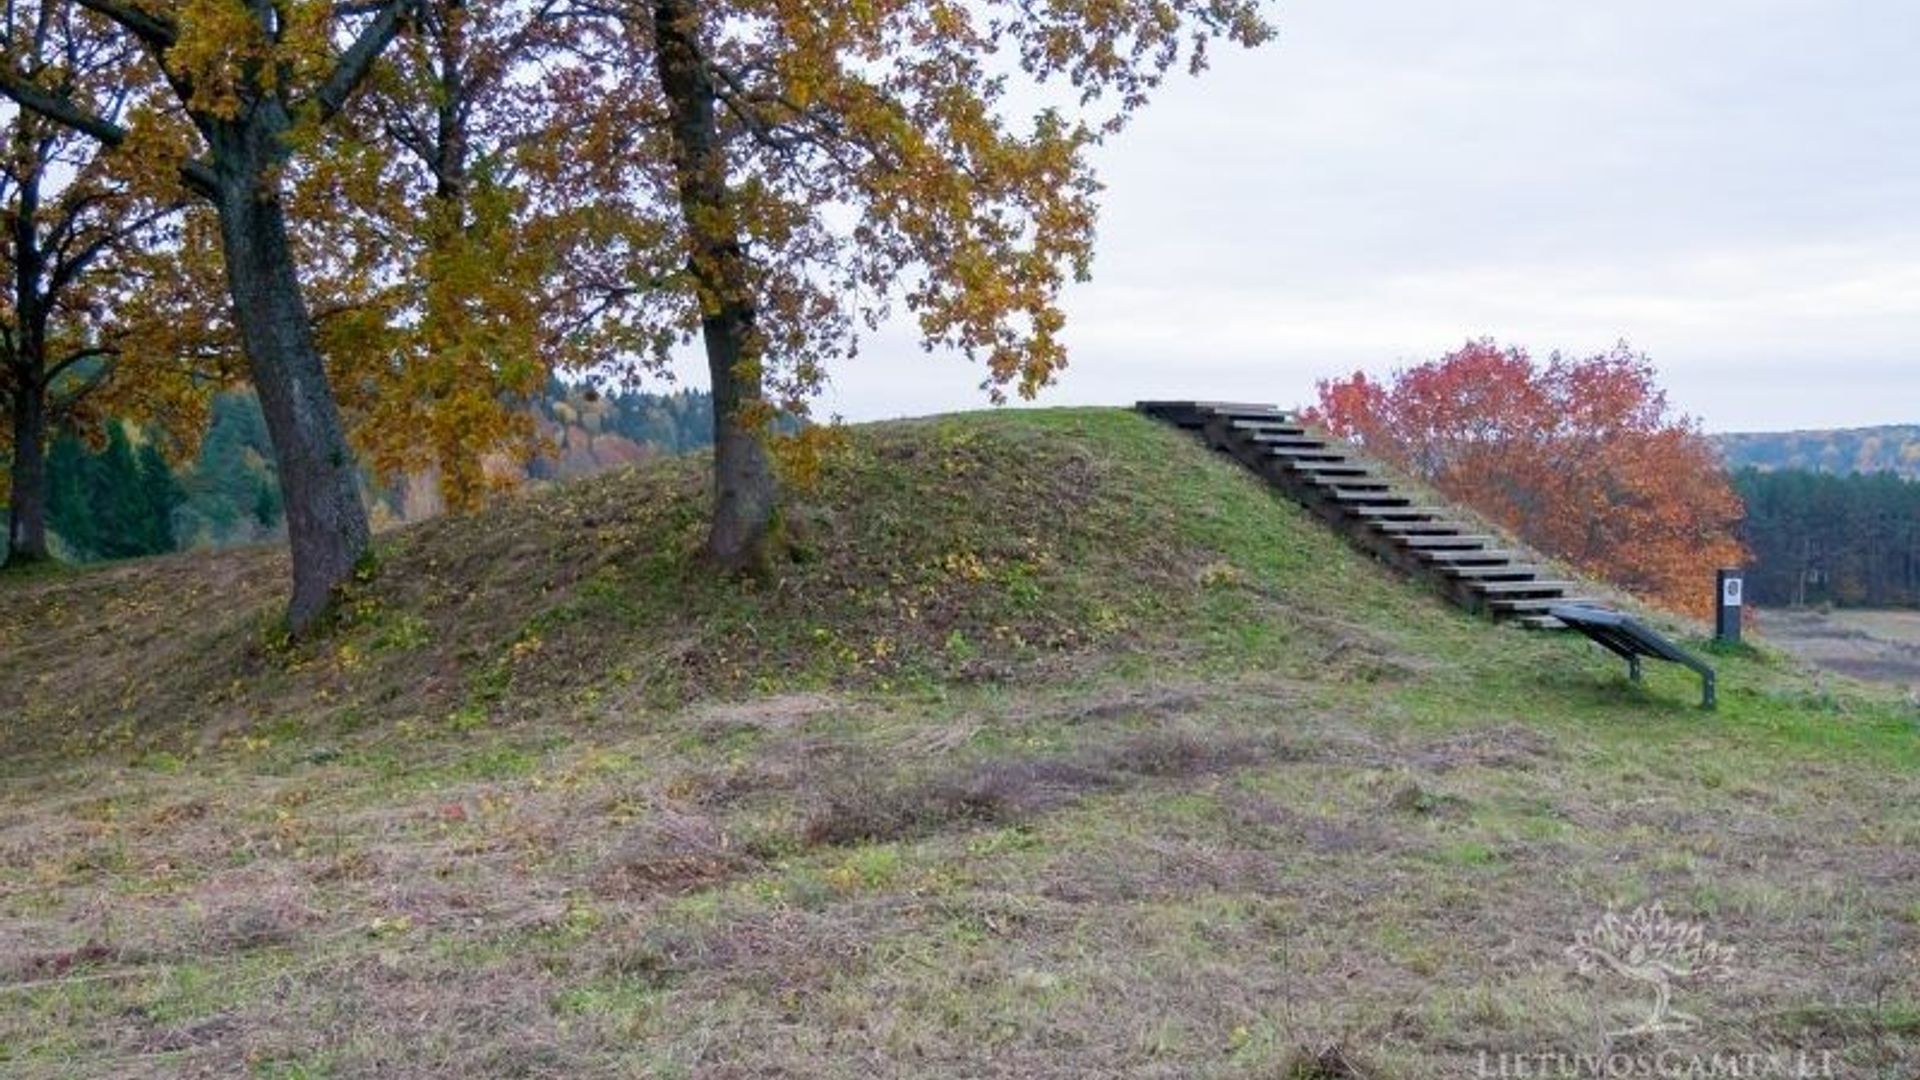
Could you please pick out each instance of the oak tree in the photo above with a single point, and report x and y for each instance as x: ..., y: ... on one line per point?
x: 82, y: 336
x: 256, y: 80
x: 809, y: 166
x: 1581, y: 457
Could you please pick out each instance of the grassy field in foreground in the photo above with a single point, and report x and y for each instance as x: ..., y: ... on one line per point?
x: 1057, y: 748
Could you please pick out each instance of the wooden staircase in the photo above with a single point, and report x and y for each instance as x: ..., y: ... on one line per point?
x: 1474, y: 569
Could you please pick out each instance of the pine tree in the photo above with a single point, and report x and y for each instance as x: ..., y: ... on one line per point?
x: 160, y: 493
x: 114, y: 496
x: 69, y: 512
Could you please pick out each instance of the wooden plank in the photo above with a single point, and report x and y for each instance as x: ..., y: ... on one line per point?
x: 1330, y: 468
x: 1291, y: 442
x: 1444, y: 557
x: 1195, y: 414
x: 1225, y: 408
x: 1349, y: 483
x: 1368, y: 498
x: 1492, y: 572
x: 1399, y: 513
x: 1304, y: 453
x: 1515, y: 605
x: 1418, y: 528
x: 1279, y: 426
x: 1445, y: 543
x: 1521, y: 588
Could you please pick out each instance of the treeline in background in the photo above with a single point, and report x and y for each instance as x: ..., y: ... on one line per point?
x: 1893, y: 448
x: 123, y: 499
x: 1815, y: 538
x: 1832, y: 517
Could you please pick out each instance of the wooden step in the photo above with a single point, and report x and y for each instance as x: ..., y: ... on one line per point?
x: 1330, y: 468
x: 1242, y: 410
x: 1521, y: 588
x: 1399, y: 513
x: 1483, y: 556
x: 1221, y: 408
x: 1349, y: 483
x: 1305, y: 453
x: 1195, y: 414
x: 1510, y: 605
x: 1540, y: 622
x: 1282, y: 439
x: 1492, y: 572
x: 1445, y: 543
x: 1276, y: 426
x: 1420, y: 528
x: 1368, y: 498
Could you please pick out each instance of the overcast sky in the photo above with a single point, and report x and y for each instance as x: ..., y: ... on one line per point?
x: 1731, y: 185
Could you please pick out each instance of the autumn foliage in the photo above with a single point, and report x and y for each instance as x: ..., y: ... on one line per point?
x: 1583, y: 458
x: 425, y: 208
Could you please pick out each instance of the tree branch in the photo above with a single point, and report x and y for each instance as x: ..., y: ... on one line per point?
x: 65, y: 405
x: 70, y: 266
x: 354, y: 64
x: 196, y: 175
x: 157, y: 31
x: 76, y: 356
x: 59, y: 109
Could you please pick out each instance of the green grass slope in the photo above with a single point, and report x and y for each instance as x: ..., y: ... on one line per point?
x: 1058, y: 747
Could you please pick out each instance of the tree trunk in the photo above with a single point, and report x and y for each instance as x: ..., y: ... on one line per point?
x: 27, y: 520
x: 326, y: 521
x: 27, y: 517
x: 451, y: 115
x: 744, y: 491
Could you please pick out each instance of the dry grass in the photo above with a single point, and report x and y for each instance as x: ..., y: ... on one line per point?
x: 1181, y: 893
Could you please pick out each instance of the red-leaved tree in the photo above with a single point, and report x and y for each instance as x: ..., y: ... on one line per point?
x: 1581, y: 457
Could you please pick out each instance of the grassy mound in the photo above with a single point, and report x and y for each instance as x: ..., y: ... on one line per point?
x: 932, y: 553
x: 1058, y: 747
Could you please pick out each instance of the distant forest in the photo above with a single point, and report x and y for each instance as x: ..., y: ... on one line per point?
x: 126, y: 500
x: 1819, y: 538
x: 1894, y: 449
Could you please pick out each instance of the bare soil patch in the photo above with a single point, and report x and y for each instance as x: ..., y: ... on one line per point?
x: 1879, y: 646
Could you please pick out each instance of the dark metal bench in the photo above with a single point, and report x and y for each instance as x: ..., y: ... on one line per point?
x: 1631, y: 639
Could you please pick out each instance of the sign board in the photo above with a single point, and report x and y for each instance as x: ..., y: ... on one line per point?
x: 1727, y: 604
